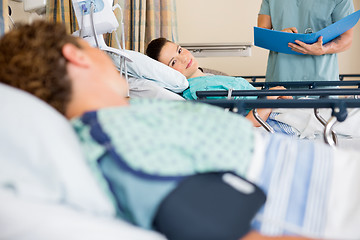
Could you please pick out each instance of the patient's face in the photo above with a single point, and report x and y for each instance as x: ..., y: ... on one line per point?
x: 106, y: 69
x: 179, y: 59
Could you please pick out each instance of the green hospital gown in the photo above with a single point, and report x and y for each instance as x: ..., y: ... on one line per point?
x: 165, y: 138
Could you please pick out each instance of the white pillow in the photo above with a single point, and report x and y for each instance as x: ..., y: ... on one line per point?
x: 144, y: 67
x: 41, y: 158
x: 142, y: 88
x: 46, y: 189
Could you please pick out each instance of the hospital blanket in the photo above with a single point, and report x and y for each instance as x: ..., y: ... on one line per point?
x: 312, y: 189
x: 281, y: 127
x: 304, y: 123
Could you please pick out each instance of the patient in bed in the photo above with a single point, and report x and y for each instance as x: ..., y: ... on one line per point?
x: 183, y: 61
x: 294, y: 122
x: 130, y: 144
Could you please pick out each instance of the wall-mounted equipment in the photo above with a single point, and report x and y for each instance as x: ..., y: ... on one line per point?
x: 219, y: 49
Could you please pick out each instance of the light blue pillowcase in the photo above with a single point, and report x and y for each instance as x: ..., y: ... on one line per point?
x: 144, y: 67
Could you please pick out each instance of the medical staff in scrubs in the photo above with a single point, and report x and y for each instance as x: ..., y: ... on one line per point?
x: 318, y: 62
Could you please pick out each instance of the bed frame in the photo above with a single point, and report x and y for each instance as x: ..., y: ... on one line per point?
x: 339, y: 110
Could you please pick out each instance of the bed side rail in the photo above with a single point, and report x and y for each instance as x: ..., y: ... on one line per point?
x: 293, y: 92
x: 339, y: 109
x: 342, y: 77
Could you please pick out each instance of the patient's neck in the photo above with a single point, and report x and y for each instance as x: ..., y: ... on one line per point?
x: 81, y: 104
x: 198, y: 73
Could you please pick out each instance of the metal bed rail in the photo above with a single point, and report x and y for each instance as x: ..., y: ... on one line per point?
x: 294, y: 92
x: 339, y: 109
x: 341, y: 77
x: 307, y: 84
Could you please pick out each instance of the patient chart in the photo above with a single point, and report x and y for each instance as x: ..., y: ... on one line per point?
x: 278, y: 41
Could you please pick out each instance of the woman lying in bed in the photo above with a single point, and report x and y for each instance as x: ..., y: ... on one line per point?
x: 183, y: 61
x: 295, y: 122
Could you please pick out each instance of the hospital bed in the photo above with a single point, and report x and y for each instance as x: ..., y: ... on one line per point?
x: 282, y: 113
x: 48, y: 192
x: 307, y: 84
x: 156, y: 80
x: 314, y: 104
x: 266, y: 92
x: 315, y: 89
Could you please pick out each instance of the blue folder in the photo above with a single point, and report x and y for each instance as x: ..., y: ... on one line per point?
x: 278, y: 41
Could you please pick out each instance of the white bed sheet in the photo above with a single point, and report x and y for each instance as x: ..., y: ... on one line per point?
x: 28, y: 220
x: 308, y: 127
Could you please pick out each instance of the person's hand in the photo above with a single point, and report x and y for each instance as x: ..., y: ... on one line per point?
x: 278, y: 97
x: 290, y: 30
x: 310, y: 49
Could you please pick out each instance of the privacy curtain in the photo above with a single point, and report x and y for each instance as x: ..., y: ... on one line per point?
x: 61, y: 11
x: 148, y: 19
x: 3, y: 16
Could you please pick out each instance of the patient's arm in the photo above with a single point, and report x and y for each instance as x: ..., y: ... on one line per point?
x: 257, y: 236
x: 265, y: 112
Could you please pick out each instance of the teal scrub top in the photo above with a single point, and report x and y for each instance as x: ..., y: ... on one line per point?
x: 303, y: 14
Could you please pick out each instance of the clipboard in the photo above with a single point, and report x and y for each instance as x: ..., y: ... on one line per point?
x: 278, y: 41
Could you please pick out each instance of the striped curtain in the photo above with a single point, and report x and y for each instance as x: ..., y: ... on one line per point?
x: 3, y: 16
x: 148, y: 19
x: 61, y: 11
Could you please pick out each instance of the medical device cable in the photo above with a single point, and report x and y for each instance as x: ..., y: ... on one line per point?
x: 83, y: 9
x: 119, y: 46
x: 121, y: 24
x: 11, y: 19
x: 92, y: 9
x: 122, y: 44
x: 122, y: 60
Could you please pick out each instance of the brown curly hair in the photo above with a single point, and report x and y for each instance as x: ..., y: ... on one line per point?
x: 31, y: 59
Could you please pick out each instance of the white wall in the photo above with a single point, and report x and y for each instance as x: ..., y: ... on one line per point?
x: 18, y: 13
x: 349, y: 61
x: 210, y: 21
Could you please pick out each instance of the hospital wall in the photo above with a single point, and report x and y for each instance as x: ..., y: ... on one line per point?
x: 229, y: 21
x: 19, y: 15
